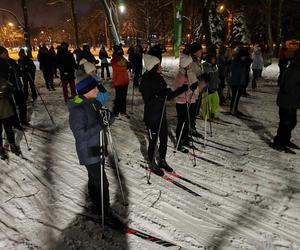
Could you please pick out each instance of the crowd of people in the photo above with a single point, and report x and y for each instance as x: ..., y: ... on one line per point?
x: 198, y: 88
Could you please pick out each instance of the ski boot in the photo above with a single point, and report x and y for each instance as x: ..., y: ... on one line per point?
x: 156, y: 170
x: 292, y: 145
x: 163, y: 164
x: 15, y: 149
x: 3, y: 154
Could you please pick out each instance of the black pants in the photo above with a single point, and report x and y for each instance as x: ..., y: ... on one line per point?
x: 182, y: 118
x: 120, y: 99
x: 48, y: 76
x: 288, y: 121
x: 237, y: 91
x: 194, y: 111
x: 138, y: 69
x: 282, y: 69
x: 22, y: 106
x: 8, y: 127
x: 163, y: 139
x: 29, y: 81
x: 94, y: 186
x: 104, y: 66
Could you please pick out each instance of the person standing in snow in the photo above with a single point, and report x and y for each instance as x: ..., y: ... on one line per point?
x: 86, y: 119
x: 103, y: 56
x: 67, y: 65
x: 7, y: 114
x: 154, y: 92
x: 27, y: 70
x: 195, y: 74
x: 288, y: 100
x: 10, y: 71
x: 87, y: 54
x: 238, y: 81
x: 138, y: 62
x: 210, y: 98
x: 257, y: 65
x: 184, y: 103
x: 120, y: 81
x: 157, y: 51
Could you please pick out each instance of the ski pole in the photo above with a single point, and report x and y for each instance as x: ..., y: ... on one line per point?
x: 132, y: 98
x: 116, y: 163
x: 235, y: 101
x: 36, y: 89
x: 179, y: 139
x: 25, y: 137
x: 189, y: 123
x: 102, y: 159
x: 156, y: 139
x: 209, y: 112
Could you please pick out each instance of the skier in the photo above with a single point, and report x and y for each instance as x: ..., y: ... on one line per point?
x: 67, y: 65
x: 87, y: 54
x: 86, y: 122
x: 238, y: 80
x: 210, y: 98
x: 120, y: 80
x: 154, y: 91
x: 7, y: 114
x: 257, y: 65
x: 27, y: 70
x: 184, y: 103
x: 195, y: 74
x: 46, y: 66
x: 104, y: 62
x: 138, y: 62
x: 288, y: 100
x: 10, y: 71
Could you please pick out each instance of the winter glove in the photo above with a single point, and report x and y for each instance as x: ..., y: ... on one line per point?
x: 107, y: 116
x: 194, y: 86
x: 163, y: 93
x: 102, y: 97
x: 178, y: 91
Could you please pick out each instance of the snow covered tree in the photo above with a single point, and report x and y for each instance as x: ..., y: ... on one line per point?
x: 259, y: 31
x: 240, y: 33
x: 217, y: 25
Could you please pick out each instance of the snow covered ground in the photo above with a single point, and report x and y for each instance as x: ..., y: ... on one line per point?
x: 244, y: 194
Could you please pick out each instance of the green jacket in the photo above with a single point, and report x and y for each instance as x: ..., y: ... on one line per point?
x: 6, y: 107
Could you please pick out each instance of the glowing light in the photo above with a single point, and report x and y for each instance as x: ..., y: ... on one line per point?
x: 10, y: 24
x: 42, y: 32
x: 122, y: 8
x: 222, y: 7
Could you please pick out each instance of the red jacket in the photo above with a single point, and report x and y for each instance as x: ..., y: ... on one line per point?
x: 119, y: 69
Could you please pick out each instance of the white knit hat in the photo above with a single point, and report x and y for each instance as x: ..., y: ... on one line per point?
x: 185, y: 60
x: 88, y: 67
x: 150, y: 61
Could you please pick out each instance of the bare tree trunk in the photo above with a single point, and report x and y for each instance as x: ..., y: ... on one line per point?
x: 206, y: 25
x: 269, y: 25
x: 26, y: 29
x: 108, y: 41
x: 278, y: 37
x: 74, y: 19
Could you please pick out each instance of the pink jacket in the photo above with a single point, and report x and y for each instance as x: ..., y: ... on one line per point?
x: 187, y: 96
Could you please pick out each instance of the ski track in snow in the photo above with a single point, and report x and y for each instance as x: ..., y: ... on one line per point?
x: 249, y: 194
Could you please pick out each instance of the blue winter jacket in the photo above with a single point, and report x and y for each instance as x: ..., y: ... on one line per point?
x: 86, y: 123
x: 238, y: 73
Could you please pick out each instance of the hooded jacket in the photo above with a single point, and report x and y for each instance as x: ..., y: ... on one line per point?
x: 289, y: 92
x: 86, y: 123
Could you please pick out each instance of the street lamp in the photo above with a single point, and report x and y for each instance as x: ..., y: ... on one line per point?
x: 10, y: 24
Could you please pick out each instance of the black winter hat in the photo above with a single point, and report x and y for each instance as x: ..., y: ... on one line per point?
x: 194, y: 47
x: 2, y: 50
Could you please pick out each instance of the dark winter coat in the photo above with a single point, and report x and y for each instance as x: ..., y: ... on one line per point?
x: 238, y: 75
x: 103, y: 56
x: 6, y: 107
x: 154, y: 90
x: 86, y: 123
x: 26, y: 66
x: 214, y: 80
x: 10, y: 71
x: 89, y: 56
x: 66, y: 64
x: 289, y: 93
x: 46, y: 60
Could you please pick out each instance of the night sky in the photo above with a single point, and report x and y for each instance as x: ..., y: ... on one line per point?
x: 41, y: 14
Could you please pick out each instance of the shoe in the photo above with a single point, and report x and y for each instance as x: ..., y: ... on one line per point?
x: 182, y: 149
x: 292, y: 145
x: 195, y: 133
x: 163, y: 164
x: 3, y: 154
x: 53, y: 88
x: 15, y: 149
x: 189, y: 144
x: 282, y: 148
x: 156, y: 170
